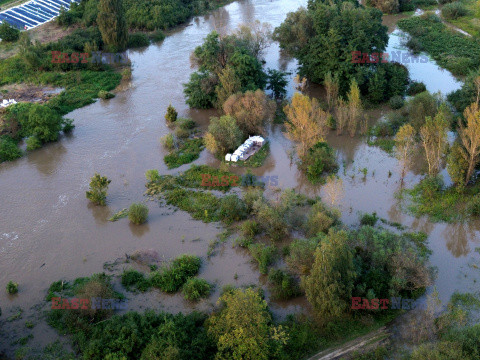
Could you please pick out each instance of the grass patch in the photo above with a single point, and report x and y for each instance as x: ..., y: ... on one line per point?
x: 386, y: 144
x: 187, y: 152
x: 119, y: 215
x: 470, y: 22
x: 429, y: 197
x: 192, y: 178
x: 452, y: 50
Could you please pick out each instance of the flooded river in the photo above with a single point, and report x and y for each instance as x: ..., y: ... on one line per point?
x: 48, y: 231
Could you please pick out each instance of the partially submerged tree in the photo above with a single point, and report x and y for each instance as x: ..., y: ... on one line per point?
x: 404, y: 146
x: 251, y: 110
x: 329, y: 286
x: 307, y: 122
x: 331, y: 87
x: 354, y: 108
x: 112, y: 24
x: 223, y: 135
x: 98, y: 189
x: 434, y: 140
x: 470, y: 137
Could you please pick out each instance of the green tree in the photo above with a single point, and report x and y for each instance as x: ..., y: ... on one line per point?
x: 223, y: 135
x: 331, y: 87
x: 377, y: 87
x: 324, y: 36
x: 171, y: 115
x: 200, y: 90
x: 8, y: 33
x: 243, y: 329
x: 276, y: 83
x: 42, y: 122
x: 457, y: 165
x: 229, y: 84
x: 329, y: 285
x: 98, y: 189
x: 112, y: 24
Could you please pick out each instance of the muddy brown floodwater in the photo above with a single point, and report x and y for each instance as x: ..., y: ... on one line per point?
x: 48, y: 231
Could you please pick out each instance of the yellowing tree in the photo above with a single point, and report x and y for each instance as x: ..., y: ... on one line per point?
x: 331, y: 87
x: 354, y: 108
x: 251, y: 110
x: 243, y: 328
x: 434, y: 140
x: 470, y: 138
x: 307, y: 122
x: 404, y: 146
x: 342, y: 115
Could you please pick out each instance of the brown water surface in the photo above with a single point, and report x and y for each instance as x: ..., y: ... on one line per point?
x: 48, y: 231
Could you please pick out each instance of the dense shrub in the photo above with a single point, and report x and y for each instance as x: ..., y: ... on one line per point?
x: 105, y: 95
x: 263, y: 255
x: 171, y: 115
x: 172, y: 278
x: 137, y: 40
x: 421, y: 106
x: 396, y: 102
x: 33, y: 143
x: 249, y: 228
x: 196, y: 288
x: 223, y: 135
x: 271, y: 219
x: 8, y: 149
x: 133, y: 279
x: 187, y: 152
x: 320, y: 219
x: 138, y: 213
x: 415, y: 88
x: 200, y: 90
x: 474, y: 205
x: 369, y: 219
x: 283, y: 285
x: 454, y: 10
x: 98, y: 189
x: 12, y: 288
x: 319, y: 161
x: 157, y: 36
x: 152, y: 175
x: 168, y: 141
x: 300, y: 257
x: 251, y: 195
x: 8, y: 33
x: 231, y: 209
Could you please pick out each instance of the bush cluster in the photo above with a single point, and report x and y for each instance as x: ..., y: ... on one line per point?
x: 171, y: 278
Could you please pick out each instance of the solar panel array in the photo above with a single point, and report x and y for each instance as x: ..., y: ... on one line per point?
x: 34, y: 13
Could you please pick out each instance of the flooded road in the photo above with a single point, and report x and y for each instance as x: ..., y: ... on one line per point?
x: 48, y: 231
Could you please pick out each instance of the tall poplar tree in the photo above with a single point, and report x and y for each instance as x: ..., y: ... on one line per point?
x: 112, y: 24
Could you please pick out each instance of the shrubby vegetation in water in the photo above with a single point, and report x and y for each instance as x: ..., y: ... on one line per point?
x: 329, y: 27
x: 456, y: 52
